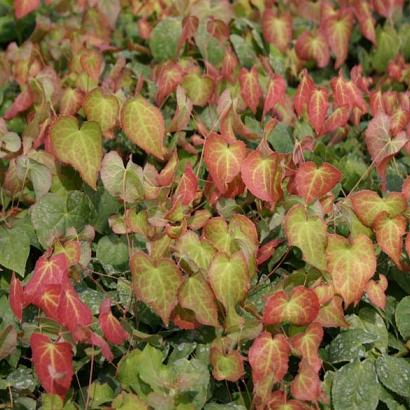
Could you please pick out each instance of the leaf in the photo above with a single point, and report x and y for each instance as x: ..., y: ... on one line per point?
x: 103, y: 109
x: 331, y: 314
x: 368, y: 205
x: 251, y: 91
x: 14, y: 248
x: 8, y: 341
x: 16, y: 297
x: 112, y: 250
x: 37, y: 173
x: 402, y: 316
x: 314, y: 182
x: 306, y: 385
x: 49, y: 300
x: 376, y: 291
x: 389, y: 234
x: 79, y: 147
x: 223, y: 159
x: 109, y: 324
x: 313, y: 46
x: 355, y: 387
x: 187, y: 187
x: 299, y: 308
x: 338, y: 118
x: 169, y: 77
x: 266, y: 250
x: 275, y: 94
x: 228, y: 366
x: 268, y: 357
x: 53, y: 363
x: 53, y: 214
x: 351, y: 265
x: 48, y: 271
x: 394, y: 373
x: 196, y: 295
x: 143, y: 124
x: 388, y: 45
x: 128, y: 401
x: 303, y: 93
x: 72, y: 312
x: 164, y: 39
x: 199, y: 89
x: 317, y: 108
x: 262, y: 175
x: 309, y: 233
x: 229, y: 279
x: 119, y: 181
x: 156, y: 283
x: 24, y: 7
x: 277, y: 30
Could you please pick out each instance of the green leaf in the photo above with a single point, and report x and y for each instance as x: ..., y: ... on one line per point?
x: 243, y: 50
x: 394, y: 373
x: 81, y: 147
x: 8, y: 341
x: 53, y: 214
x: 112, y: 250
x: 164, y: 39
x: 37, y: 173
x: 355, y: 387
x: 388, y: 45
x: 99, y: 393
x: 52, y: 402
x: 281, y: 139
x: 128, y: 401
x: 14, y: 248
x: 402, y: 316
x: 210, y: 48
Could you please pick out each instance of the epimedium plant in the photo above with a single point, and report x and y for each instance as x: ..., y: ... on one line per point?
x: 204, y: 204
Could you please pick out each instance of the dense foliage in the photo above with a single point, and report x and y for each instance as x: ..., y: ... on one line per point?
x: 205, y: 204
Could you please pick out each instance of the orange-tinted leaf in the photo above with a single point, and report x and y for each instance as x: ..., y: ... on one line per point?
x: 111, y: 327
x: 156, y: 283
x: 338, y: 29
x: 229, y: 279
x: 71, y: 249
x: 317, y: 108
x: 303, y: 93
x: 277, y: 30
x: 52, y: 271
x: 309, y: 233
x: 53, y: 363
x: 347, y: 93
x: 22, y: 103
x: 275, y: 94
x: 367, y: 205
x: 223, y: 159
x: 375, y: 291
x: 331, y: 314
x: 299, y: 308
x: 166, y: 176
x: 187, y: 186
x: 24, y: 7
x: 306, y: 385
x: 351, y: 265
x: 268, y: 357
x: 92, y: 62
x: 262, y: 175
x: 313, y: 46
x: 364, y: 15
x: 389, y: 234
x: 338, y: 118
x: 251, y: 91
x: 196, y: 295
x: 16, y: 297
x: 266, y: 250
x: 226, y: 366
x: 144, y: 125
x: 169, y: 77
x: 313, y: 182
x: 72, y: 312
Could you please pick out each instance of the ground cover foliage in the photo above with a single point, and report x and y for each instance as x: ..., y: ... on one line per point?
x: 204, y: 204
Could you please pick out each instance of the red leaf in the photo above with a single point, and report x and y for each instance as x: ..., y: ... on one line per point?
x: 167, y: 173
x: 187, y: 186
x: 48, y: 300
x: 313, y: 46
x: 331, y: 314
x: 363, y: 13
x: 275, y: 94
x: 303, y: 93
x: 52, y: 271
x: 24, y: 7
x: 251, y: 91
x: 111, y: 327
x: 317, y: 108
x: 223, y: 159
x: 300, y: 308
x: 98, y: 341
x: 266, y: 250
x: 338, y: 118
x: 53, y: 363
x: 306, y: 385
x: 262, y: 175
x: 375, y: 291
x: 72, y: 311
x: 169, y: 77
x: 16, y: 297
x: 347, y: 93
x: 277, y: 30
x: 22, y: 103
x: 314, y: 182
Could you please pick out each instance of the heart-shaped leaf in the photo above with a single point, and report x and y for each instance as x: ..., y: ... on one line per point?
x: 277, y: 30
x: 223, y: 159
x: 317, y: 108
x: 226, y: 366
x: 110, y: 325
x: 103, y: 109
x: 199, y: 89
x: 156, y: 283
x: 144, y: 125
x: 375, y: 290
x: 275, y: 94
x: 313, y: 182
x: 79, y: 147
x: 262, y: 175
x: 306, y: 385
x: 313, y: 46
x: 49, y: 300
x: 53, y: 363
x: 331, y: 314
x: 351, y: 265
x: 309, y: 233
x: 300, y: 307
x: 303, y: 93
x: 251, y: 91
